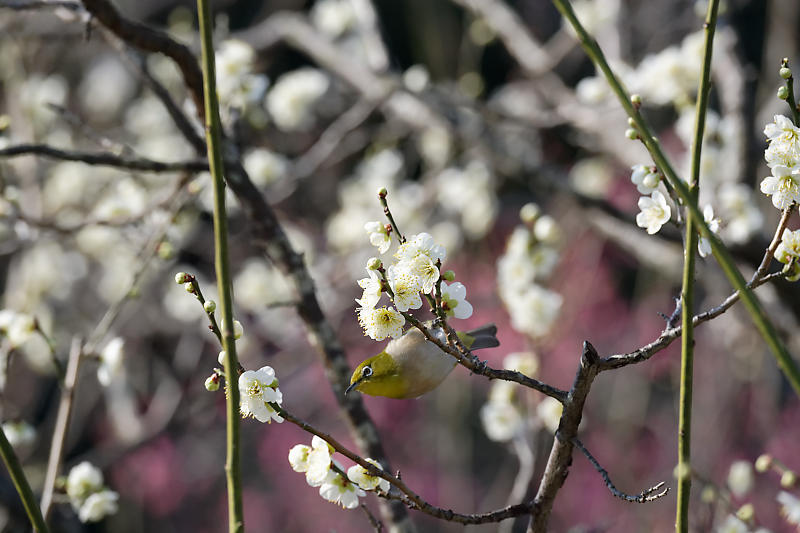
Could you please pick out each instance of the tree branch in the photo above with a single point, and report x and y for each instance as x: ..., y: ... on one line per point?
x: 647, y: 495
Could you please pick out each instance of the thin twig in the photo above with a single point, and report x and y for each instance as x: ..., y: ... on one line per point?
x: 376, y: 524
x: 382, y: 194
x: 107, y: 159
x: 790, y: 99
x: 773, y: 245
x: 21, y: 484
x: 24, y: 5
x: 62, y: 425
x: 647, y: 495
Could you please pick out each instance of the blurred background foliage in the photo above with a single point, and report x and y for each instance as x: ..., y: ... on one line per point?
x: 74, y: 237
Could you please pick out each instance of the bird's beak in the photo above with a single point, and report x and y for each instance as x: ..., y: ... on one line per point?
x: 352, y: 386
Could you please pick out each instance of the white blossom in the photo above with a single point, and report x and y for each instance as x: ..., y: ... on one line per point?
x: 645, y: 178
x: 704, y: 245
x: 237, y: 85
x: 264, y: 167
x: 291, y: 99
x: 361, y: 477
x: 333, y: 17
x: 740, y: 478
x: 373, y: 289
x: 790, y: 507
x: 258, y: 388
x: 549, y: 413
x: 83, y: 480
x: 110, y: 361
x: 731, y: 524
x: 655, y: 212
x: 19, y: 434
x: 98, y: 505
x: 783, y: 185
x: 17, y: 327
x: 378, y: 236
x: 501, y: 420
x: 789, y: 247
x: 406, y: 286
x: 784, y: 143
x: 534, y: 310
x: 337, y: 489
x: 454, y: 300
x: 379, y: 323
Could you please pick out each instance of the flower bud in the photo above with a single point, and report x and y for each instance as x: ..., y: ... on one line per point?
x: 382, y: 192
x: 221, y: 357
x: 529, y: 213
x: 631, y: 122
x: 788, y: 479
x: 546, y: 230
x: 165, y: 250
x: 212, y: 382
x: 449, y: 275
x: 783, y: 92
x: 708, y: 494
x: 189, y: 286
x: 238, y: 330
x: 210, y: 306
x: 631, y: 134
x: 636, y: 100
x: 785, y: 73
x: 763, y: 463
x: 374, y: 263
x: 746, y: 512
x: 182, y: 277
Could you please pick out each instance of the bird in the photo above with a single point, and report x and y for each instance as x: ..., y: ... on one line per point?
x: 412, y: 365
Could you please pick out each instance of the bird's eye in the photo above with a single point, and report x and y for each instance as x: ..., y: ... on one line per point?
x: 367, y: 372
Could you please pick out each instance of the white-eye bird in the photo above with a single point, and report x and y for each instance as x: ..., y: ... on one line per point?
x: 412, y: 365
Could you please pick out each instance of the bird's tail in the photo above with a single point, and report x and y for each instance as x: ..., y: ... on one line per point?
x: 482, y: 337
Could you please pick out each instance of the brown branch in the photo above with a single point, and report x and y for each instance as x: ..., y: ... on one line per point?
x: 103, y: 159
x: 62, y: 426
x: 24, y: 5
x: 560, y: 459
x: 647, y: 495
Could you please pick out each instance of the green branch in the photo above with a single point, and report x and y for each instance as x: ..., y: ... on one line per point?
x: 214, y: 142
x: 687, y: 293
x: 721, y: 253
x: 22, y: 485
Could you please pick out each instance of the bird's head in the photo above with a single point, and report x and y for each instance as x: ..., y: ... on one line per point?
x: 379, y: 375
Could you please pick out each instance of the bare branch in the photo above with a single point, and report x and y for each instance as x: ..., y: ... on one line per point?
x: 103, y: 159
x: 560, y: 459
x: 647, y: 495
x: 61, y: 428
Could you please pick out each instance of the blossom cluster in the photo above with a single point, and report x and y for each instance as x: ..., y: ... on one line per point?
x: 416, y: 272
x: 90, y: 499
x: 529, y: 258
x: 783, y: 158
x: 505, y: 416
x: 326, y: 473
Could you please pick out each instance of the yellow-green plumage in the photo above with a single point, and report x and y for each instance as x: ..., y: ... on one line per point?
x: 411, y: 365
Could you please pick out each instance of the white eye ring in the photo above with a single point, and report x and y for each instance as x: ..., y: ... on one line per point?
x: 367, y: 372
